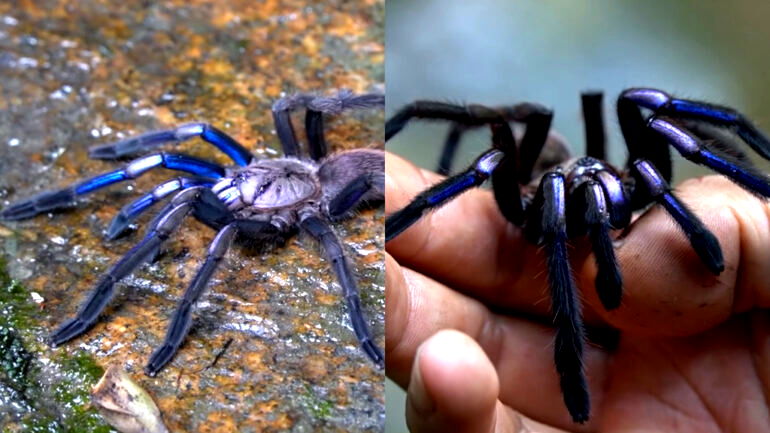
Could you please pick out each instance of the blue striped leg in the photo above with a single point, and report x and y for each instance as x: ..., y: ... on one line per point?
x: 64, y: 197
x: 132, y: 210
x: 141, y: 143
x: 166, y: 222
x: 332, y: 248
x: 664, y: 104
x: 443, y: 192
x: 740, y: 172
x: 702, y: 240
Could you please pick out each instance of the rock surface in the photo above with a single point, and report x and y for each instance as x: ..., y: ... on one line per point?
x: 76, y: 74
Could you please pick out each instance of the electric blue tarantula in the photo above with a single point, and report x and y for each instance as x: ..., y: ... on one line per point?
x: 257, y: 200
x: 541, y: 188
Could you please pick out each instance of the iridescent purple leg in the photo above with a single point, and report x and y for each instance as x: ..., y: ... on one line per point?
x: 702, y: 240
x: 568, y: 344
x: 662, y: 103
x: 691, y: 148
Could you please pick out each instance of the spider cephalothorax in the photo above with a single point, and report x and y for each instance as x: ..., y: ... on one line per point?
x: 259, y: 201
x: 552, y: 196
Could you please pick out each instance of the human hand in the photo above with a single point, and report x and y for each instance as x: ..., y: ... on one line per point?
x: 693, y: 349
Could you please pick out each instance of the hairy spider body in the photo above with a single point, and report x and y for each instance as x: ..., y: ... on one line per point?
x: 538, y: 186
x: 260, y: 201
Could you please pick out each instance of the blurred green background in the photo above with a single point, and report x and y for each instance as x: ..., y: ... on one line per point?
x: 502, y: 52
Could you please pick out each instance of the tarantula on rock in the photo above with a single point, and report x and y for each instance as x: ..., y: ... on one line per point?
x: 258, y: 200
x: 553, y: 196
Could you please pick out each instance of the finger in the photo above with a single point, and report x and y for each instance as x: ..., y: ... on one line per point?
x: 668, y: 290
x: 521, y: 351
x: 454, y: 388
x: 466, y: 244
x: 449, y: 365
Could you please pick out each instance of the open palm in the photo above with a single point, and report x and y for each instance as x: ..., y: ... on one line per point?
x: 686, y: 351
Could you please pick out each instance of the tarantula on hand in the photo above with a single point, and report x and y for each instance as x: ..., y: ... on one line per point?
x: 553, y: 196
x: 260, y: 201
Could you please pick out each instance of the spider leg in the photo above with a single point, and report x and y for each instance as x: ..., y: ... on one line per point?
x: 442, y: 192
x: 450, y: 149
x: 594, y: 122
x: 353, y: 193
x: 641, y: 142
x: 351, y: 177
x: 609, y: 282
x: 662, y: 103
x: 50, y: 200
x: 168, y: 220
x: 239, y: 154
x: 182, y: 318
x: 693, y: 149
x: 536, y: 118
x: 538, y: 123
x: 316, y: 107
x: 568, y: 345
x: 321, y: 231
x: 702, y: 240
x: 132, y: 210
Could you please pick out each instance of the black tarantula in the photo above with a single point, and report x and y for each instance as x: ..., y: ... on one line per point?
x: 257, y: 200
x: 541, y: 188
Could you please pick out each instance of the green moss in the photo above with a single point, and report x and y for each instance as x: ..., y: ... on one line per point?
x: 63, y: 404
x: 321, y: 409
x: 15, y: 309
x: 14, y: 360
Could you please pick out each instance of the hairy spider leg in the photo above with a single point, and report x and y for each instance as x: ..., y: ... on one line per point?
x: 211, y: 211
x: 609, y: 282
x: 316, y: 107
x: 441, y: 193
x: 536, y: 118
x: 504, y: 178
x: 662, y: 103
x: 538, y: 123
x: 642, y: 143
x: 692, y: 149
x: 593, y: 119
x: 321, y: 231
x: 180, y: 322
x: 350, y: 178
x: 50, y: 200
x: 702, y: 240
x: 350, y: 196
x: 449, y: 149
x: 239, y: 154
x: 568, y: 344
x: 166, y: 222
x: 132, y: 210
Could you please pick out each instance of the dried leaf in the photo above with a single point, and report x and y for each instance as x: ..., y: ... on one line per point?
x: 125, y: 405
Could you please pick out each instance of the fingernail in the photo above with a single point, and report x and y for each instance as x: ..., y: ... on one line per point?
x: 418, y: 396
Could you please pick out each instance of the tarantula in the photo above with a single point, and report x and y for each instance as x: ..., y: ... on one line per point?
x: 541, y: 188
x: 261, y: 201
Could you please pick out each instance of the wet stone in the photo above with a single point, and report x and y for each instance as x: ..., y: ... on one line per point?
x: 76, y: 74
